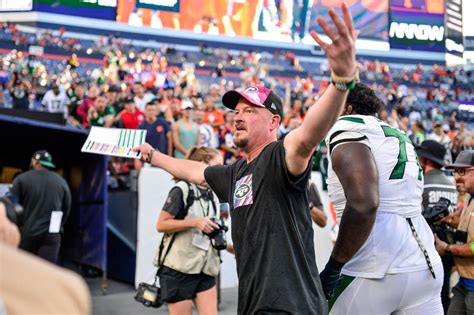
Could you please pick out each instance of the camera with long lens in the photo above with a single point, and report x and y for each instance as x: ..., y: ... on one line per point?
x: 218, y: 237
x: 14, y: 209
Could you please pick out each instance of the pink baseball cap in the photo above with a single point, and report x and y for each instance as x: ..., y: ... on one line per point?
x: 258, y: 96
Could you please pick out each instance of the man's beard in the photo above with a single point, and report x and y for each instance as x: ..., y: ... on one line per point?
x: 241, y: 143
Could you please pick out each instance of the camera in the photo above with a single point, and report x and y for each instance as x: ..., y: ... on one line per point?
x: 437, y: 212
x: 149, y: 295
x: 460, y: 237
x: 218, y: 237
x: 444, y: 232
x: 14, y: 209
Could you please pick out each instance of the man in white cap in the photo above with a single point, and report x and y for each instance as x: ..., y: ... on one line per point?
x: 271, y: 225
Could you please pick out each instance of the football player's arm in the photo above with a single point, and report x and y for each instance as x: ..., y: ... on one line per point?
x: 355, y: 168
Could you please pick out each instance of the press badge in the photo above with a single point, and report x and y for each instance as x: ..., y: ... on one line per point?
x: 55, y: 222
x: 201, y: 241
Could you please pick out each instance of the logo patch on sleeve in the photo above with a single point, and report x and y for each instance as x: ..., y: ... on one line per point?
x: 243, y: 195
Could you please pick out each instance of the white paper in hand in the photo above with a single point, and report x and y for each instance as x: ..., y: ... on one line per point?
x: 114, y: 141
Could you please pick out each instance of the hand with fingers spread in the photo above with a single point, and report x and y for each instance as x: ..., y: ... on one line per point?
x: 341, y: 52
x: 205, y: 224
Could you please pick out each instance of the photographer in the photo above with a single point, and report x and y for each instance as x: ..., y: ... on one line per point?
x: 193, y: 262
x: 437, y: 185
x: 463, y: 248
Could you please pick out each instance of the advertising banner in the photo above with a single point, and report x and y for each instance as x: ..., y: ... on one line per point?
x: 417, y: 25
x: 454, y: 28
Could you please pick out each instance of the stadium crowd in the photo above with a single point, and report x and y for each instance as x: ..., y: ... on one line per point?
x: 133, y: 83
x: 177, y: 96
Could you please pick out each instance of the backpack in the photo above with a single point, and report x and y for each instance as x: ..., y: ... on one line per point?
x: 189, y: 197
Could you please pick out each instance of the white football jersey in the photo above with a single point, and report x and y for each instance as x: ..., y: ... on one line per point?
x: 391, y: 247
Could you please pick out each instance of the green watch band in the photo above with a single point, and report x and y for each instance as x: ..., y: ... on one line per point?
x: 344, y: 86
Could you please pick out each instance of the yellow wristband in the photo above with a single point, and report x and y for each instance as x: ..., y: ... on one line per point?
x: 344, y: 80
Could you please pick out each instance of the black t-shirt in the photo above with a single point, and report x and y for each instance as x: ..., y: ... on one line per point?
x: 272, y: 234
x: 174, y: 203
x: 40, y: 192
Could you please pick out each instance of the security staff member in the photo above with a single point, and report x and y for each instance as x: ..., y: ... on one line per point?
x: 463, y: 250
x: 46, y: 201
x: 437, y: 185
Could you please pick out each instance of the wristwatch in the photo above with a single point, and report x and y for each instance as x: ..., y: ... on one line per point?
x: 345, y: 83
x: 150, y: 156
x: 448, y: 248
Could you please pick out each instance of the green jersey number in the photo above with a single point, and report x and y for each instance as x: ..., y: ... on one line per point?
x: 399, y: 169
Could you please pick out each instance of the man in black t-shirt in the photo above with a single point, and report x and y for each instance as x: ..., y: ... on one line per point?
x: 46, y: 201
x: 267, y: 191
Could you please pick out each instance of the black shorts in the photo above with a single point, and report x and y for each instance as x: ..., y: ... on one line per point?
x: 177, y: 286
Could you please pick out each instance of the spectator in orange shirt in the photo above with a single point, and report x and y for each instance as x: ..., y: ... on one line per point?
x: 213, y: 116
x: 298, y: 111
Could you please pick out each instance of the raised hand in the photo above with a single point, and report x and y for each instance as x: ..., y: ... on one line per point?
x: 341, y: 52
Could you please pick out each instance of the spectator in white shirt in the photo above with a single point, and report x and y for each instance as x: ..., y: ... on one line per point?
x: 55, y: 101
x: 141, y: 98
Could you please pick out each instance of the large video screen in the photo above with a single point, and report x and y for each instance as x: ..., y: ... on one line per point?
x: 370, y: 16
x: 417, y: 25
x: 277, y: 20
x: 99, y: 9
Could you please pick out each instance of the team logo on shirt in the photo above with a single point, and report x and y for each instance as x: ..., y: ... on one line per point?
x: 243, y: 195
x: 251, y: 89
